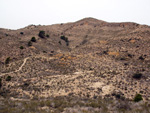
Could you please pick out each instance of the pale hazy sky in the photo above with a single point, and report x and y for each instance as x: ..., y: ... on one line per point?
x: 15, y: 14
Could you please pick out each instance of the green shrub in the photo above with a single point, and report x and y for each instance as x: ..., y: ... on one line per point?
x: 105, y: 52
x: 42, y: 34
x: 21, y: 47
x: 138, y: 98
x: 67, y: 43
x: 6, y: 34
x: 59, y: 42
x: 47, y: 36
x: 7, y: 60
x: 33, y: 39
x: 8, y: 78
x: 129, y: 55
x: 123, y: 58
x: 21, y: 33
x: 65, y: 39
x: 137, y: 75
x: 141, y: 58
x: 29, y: 43
x: 94, y: 104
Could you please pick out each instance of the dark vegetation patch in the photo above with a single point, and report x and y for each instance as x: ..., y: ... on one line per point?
x: 71, y: 104
x: 138, y: 98
x: 47, y: 36
x: 65, y: 39
x: 137, y: 76
x: 33, y: 39
x: 42, y: 34
x: 29, y: 43
x: 8, y: 78
x: 7, y: 60
x: 21, y: 47
x: 21, y: 33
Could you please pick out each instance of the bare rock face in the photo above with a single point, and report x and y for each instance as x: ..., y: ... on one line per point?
x: 88, y: 58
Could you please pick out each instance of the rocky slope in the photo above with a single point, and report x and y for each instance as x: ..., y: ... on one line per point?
x: 89, y: 58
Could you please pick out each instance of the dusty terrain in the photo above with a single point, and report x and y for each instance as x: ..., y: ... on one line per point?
x: 94, y: 59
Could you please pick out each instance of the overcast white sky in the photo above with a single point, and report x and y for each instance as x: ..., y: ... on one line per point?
x: 15, y: 14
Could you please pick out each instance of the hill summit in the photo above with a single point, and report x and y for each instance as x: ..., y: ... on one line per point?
x: 87, y: 59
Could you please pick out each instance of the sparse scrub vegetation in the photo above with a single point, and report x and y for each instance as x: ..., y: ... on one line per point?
x: 21, y: 33
x: 7, y: 60
x: 6, y: 34
x: 59, y: 42
x: 105, y: 52
x: 129, y: 55
x: 29, y: 43
x: 80, y: 68
x: 21, y: 47
x: 69, y: 104
x: 137, y: 75
x: 123, y: 58
x: 65, y: 39
x: 138, y: 98
x: 33, y: 39
x: 42, y: 34
x: 141, y: 58
x: 8, y: 78
x: 47, y: 35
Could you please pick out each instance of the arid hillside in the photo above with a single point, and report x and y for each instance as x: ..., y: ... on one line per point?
x: 89, y: 60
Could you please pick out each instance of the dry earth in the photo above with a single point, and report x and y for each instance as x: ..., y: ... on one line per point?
x: 96, y: 59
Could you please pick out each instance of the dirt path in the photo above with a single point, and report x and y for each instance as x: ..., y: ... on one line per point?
x: 20, y: 68
x: 24, y: 62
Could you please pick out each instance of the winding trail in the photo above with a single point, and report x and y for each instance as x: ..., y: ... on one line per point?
x: 24, y: 62
x: 20, y: 68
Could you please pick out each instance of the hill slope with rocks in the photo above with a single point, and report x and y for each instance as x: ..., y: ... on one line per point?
x: 91, y: 60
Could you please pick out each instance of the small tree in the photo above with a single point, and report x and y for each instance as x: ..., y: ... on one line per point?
x: 42, y: 34
x: 29, y: 43
x: 137, y: 75
x: 59, y: 42
x: 7, y: 60
x: 141, y: 58
x: 33, y: 39
x: 21, y: 47
x: 8, y: 78
x: 67, y: 43
x: 138, y: 98
x: 47, y: 36
x: 65, y: 39
x: 21, y: 33
x: 105, y: 52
